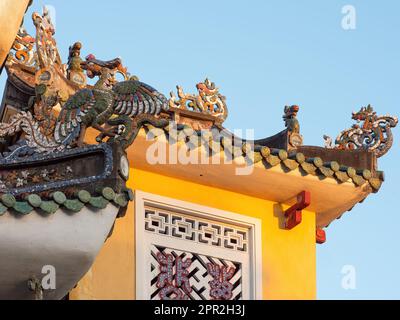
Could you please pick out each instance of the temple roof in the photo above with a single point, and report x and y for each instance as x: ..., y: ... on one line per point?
x: 278, y: 174
x: 355, y: 166
x: 49, y: 106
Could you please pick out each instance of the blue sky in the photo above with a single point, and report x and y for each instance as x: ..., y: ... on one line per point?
x: 264, y: 55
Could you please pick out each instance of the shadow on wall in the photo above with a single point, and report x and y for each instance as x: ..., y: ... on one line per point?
x: 279, y: 214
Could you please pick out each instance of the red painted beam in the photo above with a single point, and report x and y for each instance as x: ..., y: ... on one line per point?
x: 293, y: 215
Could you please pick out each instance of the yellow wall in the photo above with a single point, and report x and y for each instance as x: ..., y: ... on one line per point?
x: 289, y: 257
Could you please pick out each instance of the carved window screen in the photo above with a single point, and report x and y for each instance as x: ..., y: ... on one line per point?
x: 187, y: 251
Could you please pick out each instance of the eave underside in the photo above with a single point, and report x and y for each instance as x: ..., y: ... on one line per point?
x: 272, y: 178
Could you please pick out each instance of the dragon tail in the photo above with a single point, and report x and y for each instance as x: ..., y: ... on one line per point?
x: 34, y: 138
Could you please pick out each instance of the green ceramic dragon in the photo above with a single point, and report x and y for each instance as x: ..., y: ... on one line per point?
x: 128, y: 103
x: 117, y: 109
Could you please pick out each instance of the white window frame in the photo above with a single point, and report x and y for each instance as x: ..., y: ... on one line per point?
x: 143, y: 199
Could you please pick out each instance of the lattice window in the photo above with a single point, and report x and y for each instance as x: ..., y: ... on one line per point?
x: 187, y: 251
x: 195, y: 229
x: 199, y: 276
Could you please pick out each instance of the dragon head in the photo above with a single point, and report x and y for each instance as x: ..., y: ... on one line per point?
x: 105, y: 70
x: 24, y: 37
x: 106, y: 79
x: 364, y: 114
x: 291, y: 112
x: 291, y: 122
x: 207, y: 88
x: 44, y: 21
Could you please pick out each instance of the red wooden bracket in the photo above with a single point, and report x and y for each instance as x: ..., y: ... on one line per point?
x: 320, y: 236
x: 293, y: 215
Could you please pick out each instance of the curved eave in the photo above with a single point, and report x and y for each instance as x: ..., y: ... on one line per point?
x: 60, y: 231
x: 69, y: 243
x: 277, y: 176
x: 58, y: 200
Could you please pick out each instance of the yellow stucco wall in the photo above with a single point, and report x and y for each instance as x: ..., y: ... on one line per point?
x: 289, y: 257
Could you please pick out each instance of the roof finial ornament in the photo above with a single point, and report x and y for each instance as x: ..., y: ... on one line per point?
x: 75, y: 72
x: 374, y: 134
x: 293, y: 126
x: 328, y: 142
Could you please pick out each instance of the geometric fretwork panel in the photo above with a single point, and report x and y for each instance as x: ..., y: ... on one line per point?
x: 182, y: 275
x: 195, y: 229
x: 186, y: 251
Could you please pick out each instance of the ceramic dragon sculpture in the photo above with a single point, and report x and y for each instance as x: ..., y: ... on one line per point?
x: 292, y: 124
x: 375, y: 133
x: 208, y: 101
x: 129, y: 103
x: 290, y: 118
x: 117, y: 109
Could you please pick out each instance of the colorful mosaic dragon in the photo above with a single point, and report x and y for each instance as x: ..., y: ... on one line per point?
x: 117, y: 109
x: 374, y: 134
x: 208, y: 101
x: 129, y: 104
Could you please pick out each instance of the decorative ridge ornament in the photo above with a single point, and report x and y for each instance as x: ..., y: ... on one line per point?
x: 46, y: 45
x: 116, y: 109
x: 293, y: 126
x: 75, y: 72
x: 374, y: 134
x: 22, y: 50
x: 94, y: 67
x: 132, y: 102
x: 208, y: 101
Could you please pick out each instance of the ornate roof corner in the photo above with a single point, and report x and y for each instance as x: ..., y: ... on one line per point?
x: 64, y: 106
x: 202, y: 110
x: 42, y: 148
x: 374, y: 134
